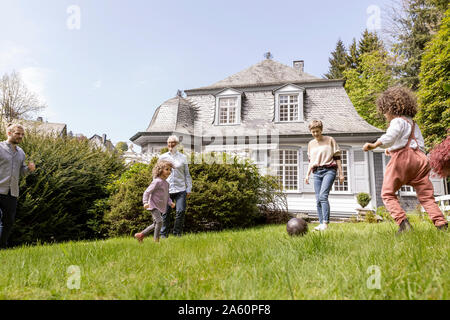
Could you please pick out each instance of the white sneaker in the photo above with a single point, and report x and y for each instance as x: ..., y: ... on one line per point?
x: 319, y: 227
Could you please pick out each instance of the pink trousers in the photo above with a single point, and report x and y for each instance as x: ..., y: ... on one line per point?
x: 410, y: 167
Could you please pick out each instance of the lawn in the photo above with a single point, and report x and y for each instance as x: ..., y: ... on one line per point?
x: 348, y: 261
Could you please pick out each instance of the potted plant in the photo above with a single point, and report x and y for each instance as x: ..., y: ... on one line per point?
x: 363, y: 200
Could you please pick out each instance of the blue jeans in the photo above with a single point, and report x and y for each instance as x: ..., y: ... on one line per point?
x: 323, y: 181
x: 180, y: 201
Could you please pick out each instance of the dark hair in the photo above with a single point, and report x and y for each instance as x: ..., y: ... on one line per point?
x: 398, y: 101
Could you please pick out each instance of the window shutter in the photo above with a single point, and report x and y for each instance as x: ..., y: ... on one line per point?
x: 360, y: 170
x: 306, y: 187
x: 438, y: 184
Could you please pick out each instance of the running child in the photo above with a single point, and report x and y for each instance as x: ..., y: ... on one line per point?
x: 408, y: 165
x: 156, y: 198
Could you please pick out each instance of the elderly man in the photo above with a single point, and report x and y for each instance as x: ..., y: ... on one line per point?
x: 12, y: 166
x: 180, y: 185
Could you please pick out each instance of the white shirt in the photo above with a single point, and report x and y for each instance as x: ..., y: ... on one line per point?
x: 397, y: 135
x: 180, y: 178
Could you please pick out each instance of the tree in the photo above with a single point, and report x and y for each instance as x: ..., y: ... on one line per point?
x: 122, y: 146
x: 338, y: 62
x: 433, y: 98
x: 372, y: 77
x: 16, y: 101
x: 352, y: 58
x: 412, y: 24
x: 369, y: 42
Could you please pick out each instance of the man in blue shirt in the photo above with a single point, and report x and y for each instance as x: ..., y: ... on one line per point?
x: 12, y: 167
x: 180, y: 186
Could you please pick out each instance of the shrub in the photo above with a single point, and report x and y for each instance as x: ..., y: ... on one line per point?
x: 227, y: 193
x: 126, y: 214
x: 56, y: 202
x: 363, y: 199
x: 382, y: 212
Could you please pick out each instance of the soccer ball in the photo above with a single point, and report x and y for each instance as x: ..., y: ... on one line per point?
x: 297, y: 227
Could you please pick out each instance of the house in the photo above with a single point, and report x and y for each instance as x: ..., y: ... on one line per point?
x: 43, y: 128
x: 263, y: 113
x: 101, y: 142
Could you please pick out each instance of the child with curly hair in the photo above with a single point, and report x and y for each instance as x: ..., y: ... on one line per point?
x: 156, y: 198
x: 408, y: 165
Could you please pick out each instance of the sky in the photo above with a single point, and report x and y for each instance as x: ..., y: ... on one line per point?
x: 104, y: 66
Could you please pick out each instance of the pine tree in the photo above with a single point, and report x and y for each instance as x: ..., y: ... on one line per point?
x: 353, y: 55
x: 338, y: 62
x: 413, y: 27
x: 369, y: 42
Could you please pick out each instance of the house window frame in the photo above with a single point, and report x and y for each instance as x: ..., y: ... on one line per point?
x: 276, y: 165
x: 227, y: 94
x: 290, y: 90
x: 349, y: 175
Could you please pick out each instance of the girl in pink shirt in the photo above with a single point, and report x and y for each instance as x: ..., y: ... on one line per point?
x: 408, y: 164
x: 156, y: 198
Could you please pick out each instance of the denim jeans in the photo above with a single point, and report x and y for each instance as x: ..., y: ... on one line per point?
x: 323, y: 181
x: 8, y: 205
x: 180, y: 201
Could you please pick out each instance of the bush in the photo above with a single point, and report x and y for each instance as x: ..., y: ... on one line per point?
x: 126, y: 213
x: 382, y: 212
x: 363, y: 199
x: 227, y: 193
x: 57, y: 201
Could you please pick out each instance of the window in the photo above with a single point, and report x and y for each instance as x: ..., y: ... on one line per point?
x: 227, y: 110
x: 287, y: 169
x: 228, y: 107
x: 342, y: 186
x: 288, y: 107
x: 407, y: 190
x: 289, y: 103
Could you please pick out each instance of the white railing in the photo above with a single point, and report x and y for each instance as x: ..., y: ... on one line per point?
x: 443, y: 202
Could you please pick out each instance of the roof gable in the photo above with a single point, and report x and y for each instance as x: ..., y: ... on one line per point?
x: 265, y: 72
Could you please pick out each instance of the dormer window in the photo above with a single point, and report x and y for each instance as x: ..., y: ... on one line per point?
x: 227, y: 110
x: 289, y: 103
x: 228, y: 107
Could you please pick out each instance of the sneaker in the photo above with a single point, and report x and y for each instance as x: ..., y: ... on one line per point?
x: 444, y: 227
x: 318, y: 228
x: 139, y: 236
x: 404, y: 226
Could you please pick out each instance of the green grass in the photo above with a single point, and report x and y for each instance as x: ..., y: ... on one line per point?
x: 259, y: 263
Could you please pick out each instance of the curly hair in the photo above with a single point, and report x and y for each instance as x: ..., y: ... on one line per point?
x: 159, y: 167
x: 397, y: 101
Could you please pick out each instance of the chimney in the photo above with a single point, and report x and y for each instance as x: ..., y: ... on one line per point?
x: 40, y: 119
x: 299, y: 65
x: 104, y: 138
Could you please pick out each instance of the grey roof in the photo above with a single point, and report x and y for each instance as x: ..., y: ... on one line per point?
x: 45, y: 128
x: 265, y: 72
x: 331, y: 105
x: 175, y: 114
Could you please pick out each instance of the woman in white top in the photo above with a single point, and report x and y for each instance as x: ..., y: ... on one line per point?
x: 324, y: 158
